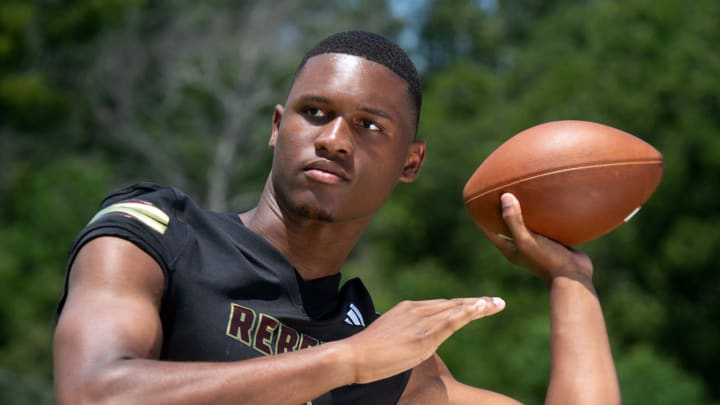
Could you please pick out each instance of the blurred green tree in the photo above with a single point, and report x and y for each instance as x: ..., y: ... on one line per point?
x: 44, y: 176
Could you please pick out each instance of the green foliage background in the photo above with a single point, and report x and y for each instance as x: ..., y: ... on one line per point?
x: 95, y: 95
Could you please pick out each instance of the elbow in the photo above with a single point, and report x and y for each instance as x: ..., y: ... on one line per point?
x: 100, y: 387
x: 80, y: 394
x: 77, y: 394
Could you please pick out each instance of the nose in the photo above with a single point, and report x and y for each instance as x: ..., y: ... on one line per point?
x: 335, y: 138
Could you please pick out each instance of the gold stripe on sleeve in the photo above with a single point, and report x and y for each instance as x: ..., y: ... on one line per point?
x: 151, y: 216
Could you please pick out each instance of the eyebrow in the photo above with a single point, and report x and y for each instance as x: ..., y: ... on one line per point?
x: 315, y: 98
x: 375, y: 111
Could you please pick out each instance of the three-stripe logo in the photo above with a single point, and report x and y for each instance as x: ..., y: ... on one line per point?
x: 354, y: 317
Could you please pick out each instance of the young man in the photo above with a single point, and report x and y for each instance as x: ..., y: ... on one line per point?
x: 169, y: 303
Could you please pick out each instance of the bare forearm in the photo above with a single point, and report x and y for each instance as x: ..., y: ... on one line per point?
x: 583, y: 371
x: 290, y: 378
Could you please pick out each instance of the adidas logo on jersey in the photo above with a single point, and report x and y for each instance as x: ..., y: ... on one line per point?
x: 354, y: 317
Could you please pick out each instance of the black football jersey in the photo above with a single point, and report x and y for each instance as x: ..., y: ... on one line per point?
x: 230, y: 295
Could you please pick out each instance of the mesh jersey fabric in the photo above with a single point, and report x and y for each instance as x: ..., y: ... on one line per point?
x: 229, y: 295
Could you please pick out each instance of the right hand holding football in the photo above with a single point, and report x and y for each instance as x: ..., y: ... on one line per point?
x: 544, y: 257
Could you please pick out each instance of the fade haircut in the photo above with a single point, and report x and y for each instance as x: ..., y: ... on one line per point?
x: 375, y: 48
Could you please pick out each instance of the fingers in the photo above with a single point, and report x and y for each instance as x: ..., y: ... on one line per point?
x: 485, y: 306
x: 533, y: 251
x: 446, y: 323
x: 451, y: 315
x: 477, y: 307
x: 503, y: 242
x: 445, y: 306
x: 411, y: 332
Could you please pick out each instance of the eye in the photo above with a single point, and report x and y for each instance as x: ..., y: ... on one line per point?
x: 316, y: 116
x: 314, y: 112
x: 370, y: 124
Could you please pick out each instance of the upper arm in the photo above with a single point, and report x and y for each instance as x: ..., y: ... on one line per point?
x: 432, y: 383
x: 111, y: 311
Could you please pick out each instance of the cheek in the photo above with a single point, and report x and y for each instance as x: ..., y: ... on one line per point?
x: 285, y: 148
x: 381, y: 175
x: 386, y: 162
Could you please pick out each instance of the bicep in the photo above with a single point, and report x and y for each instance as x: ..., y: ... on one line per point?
x: 432, y: 383
x: 112, y: 309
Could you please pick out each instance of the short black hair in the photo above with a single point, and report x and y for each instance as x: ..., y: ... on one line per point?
x: 375, y: 48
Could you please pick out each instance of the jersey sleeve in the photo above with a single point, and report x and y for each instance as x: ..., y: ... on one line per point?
x: 145, y: 214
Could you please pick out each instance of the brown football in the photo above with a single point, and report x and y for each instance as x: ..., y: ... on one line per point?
x: 576, y: 180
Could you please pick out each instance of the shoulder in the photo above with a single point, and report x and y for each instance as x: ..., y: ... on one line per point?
x: 144, y: 214
x: 432, y: 383
x: 151, y: 204
x: 147, y: 214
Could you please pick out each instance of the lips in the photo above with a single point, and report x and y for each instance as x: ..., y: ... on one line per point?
x: 326, y: 171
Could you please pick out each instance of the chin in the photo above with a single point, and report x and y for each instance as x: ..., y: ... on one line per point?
x: 304, y: 210
x: 302, y: 207
x: 312, y: 212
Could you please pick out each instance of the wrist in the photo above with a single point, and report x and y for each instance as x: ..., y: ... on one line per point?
x: 578, y: 270
x: 570, y: 280
x: 342, y: 360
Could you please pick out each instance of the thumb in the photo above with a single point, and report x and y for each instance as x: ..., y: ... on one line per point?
x: 512, y: 215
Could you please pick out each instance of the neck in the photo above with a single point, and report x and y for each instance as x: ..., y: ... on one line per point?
x: 315, y: 248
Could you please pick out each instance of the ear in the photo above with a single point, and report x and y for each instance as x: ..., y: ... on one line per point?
x: 413, y: 162
x: 276, y: 119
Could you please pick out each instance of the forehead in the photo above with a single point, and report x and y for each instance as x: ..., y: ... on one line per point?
x: 353, y: 78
